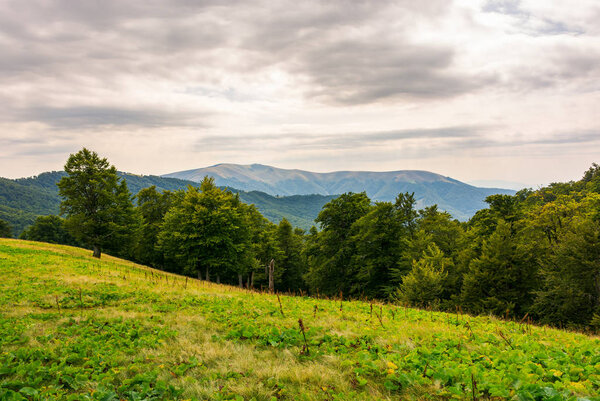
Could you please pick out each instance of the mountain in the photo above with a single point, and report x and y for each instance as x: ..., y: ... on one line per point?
x: 517, y: 186
x: 23, y: 199
x: 459, y: 199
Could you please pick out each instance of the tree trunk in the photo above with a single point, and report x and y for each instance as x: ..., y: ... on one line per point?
x: 252, y: 280
x: 199, y: 274
x: 241, y: 280
x: 97, y: 251
x: 218, y: 279
x: 271, y: 279
x: 207, y: 276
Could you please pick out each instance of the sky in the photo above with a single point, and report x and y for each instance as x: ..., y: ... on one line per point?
x: 475, y: 90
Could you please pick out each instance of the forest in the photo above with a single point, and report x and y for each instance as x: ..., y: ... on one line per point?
x: 534, y: 255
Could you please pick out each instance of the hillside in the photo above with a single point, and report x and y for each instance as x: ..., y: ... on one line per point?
x: 459, y: 199
x: 23, y: 199
x: 73, y: 327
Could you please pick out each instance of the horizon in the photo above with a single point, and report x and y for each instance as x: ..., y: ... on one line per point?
x: 491, y: 90
x: 489, y: 183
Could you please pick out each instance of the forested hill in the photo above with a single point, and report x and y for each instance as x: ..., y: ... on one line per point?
x: 457, y: 198
x: 23, y: 199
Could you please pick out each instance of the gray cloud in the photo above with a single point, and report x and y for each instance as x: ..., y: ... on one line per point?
x: 335, y: 141
x: 363, y: 72
x: 85, y: 117
x: 326, y: 45
x: 449, y: 140
x: 111, y: 67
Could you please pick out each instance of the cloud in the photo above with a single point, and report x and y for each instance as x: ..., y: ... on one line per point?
x: 528, y: 22
x: 357, y: 140
x: 86, y: 117
x: 330, y: 49
x: 362, y: 72
x: 297, y: 80
x: 424, y: 142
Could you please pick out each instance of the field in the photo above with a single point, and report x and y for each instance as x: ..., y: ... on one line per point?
x: 75, y: 328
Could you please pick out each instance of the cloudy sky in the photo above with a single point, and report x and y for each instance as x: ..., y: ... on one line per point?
x: 477, y: 90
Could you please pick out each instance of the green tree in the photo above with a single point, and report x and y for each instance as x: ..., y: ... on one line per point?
x: 152, y: 207
x: 207, y: 231
x: 381, y: 239
x: 48, y: 229
x: 263, y: 248
x: 330, y: 264
x: 290, y: 261
x: 425, y: 283
x: 570, y: 293
x: 5, y: 230
x: 97, y: 203
x: 503, y: 277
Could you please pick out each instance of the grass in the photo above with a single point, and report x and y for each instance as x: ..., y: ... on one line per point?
x: 76, y: 328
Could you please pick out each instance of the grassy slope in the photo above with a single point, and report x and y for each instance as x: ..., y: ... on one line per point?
x: 124, y: 331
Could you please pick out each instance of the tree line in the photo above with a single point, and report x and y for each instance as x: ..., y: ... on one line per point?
x: 534, y: 254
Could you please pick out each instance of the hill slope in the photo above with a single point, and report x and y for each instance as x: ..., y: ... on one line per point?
x: 78, y: 328
x: 459, y: 199
x: 23, y: 199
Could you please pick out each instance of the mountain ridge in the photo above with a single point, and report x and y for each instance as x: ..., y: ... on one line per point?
x: 458, y: 198
x: 23, y: 199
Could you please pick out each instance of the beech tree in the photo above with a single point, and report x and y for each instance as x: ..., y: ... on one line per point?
x: 96, y: 202
x: 207, y: 232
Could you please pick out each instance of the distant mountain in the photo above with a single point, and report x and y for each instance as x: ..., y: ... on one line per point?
x: 459, y: 199
x: 500, y: 184
x: 23, y: 199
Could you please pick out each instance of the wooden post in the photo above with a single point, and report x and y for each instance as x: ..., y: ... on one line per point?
x: 271, y: 278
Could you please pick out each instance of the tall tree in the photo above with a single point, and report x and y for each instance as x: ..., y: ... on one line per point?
x: 290, y: 261
x: 570, y: 293
x: 97, y: 203
x: 207, y: 232
x: 504, y: 277
x: 381, y: 238
x: 330, y: 268
x: 152, y: 207
x: 5, y: 231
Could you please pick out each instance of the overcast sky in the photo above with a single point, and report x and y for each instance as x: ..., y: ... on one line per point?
x: 476, y: 90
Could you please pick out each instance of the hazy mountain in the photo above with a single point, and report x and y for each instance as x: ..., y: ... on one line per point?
x: 23, y: 199
x: 460, y: 199
x: 500, y: 184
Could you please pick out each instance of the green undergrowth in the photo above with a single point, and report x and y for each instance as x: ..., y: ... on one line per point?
x: 75, y: 328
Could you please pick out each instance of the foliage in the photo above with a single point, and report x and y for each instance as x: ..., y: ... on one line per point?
x: 152, y: 207
x: 290, y: 262
x: 330, y: 271
x: 48, y: 229
x: 502, y: 279
x: 207, y: 231
x: 571, y: 277
x: 424, y: 284
x: 5, y: 230
x: 533, y: 254
x: 97, y: 203
x: 23, y: 199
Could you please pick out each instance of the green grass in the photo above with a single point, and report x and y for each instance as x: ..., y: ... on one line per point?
x: 75, y: 328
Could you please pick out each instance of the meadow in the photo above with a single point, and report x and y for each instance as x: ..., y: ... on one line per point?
x: 77, y: 328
